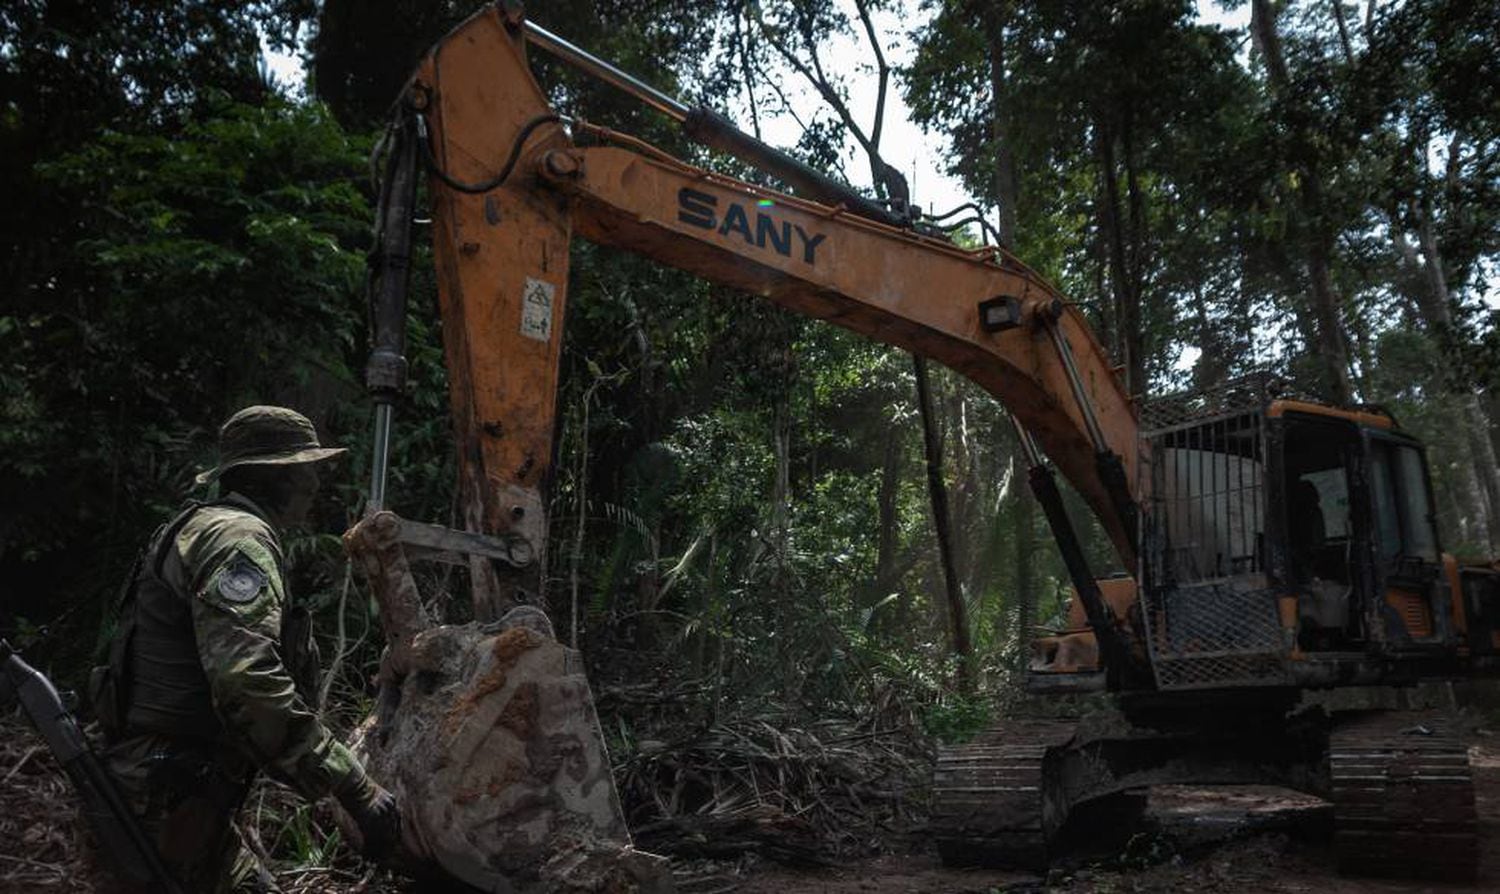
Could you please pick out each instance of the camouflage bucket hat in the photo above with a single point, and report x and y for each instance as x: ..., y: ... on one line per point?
x: 267, y: 436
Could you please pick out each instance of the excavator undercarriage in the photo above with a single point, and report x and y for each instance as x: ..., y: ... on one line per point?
x: 1399, y: 784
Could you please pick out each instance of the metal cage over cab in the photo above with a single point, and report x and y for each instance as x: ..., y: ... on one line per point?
x: 1209, y: 607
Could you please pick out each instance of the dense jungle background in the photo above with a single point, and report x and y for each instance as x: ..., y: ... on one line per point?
x: 743, y: 527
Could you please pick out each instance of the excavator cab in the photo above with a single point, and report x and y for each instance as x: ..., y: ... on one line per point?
x: 1284, y: 543
x: 1362, y: 556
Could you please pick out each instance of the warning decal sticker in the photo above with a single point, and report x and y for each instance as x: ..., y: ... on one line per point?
x: 536, y: 309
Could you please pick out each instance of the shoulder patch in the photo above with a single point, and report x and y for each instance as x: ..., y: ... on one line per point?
x: 241, y: 581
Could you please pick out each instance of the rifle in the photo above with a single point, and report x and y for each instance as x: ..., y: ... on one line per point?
x: 118, y: 831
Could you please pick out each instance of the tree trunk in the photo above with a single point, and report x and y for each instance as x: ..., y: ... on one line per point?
x: 1268, y: 42
x: 886, y: 540
x: 965, y: 500
x: 781, y: 487
x: 1127, y: 302
x: 1424, y: 279
x: 1212, y: 366
x: 1332, y: 340
x: 1477, y: 423
x: 1007, y: 196
x: 1483, y: 463
x: 1007, y: 185
x: 1338, y: 16
x: 1285, y: 268
x: 783, y: 362
x: 1474, y: 498
x: 937, y: 491
x: 1024, y: 516
x: 1135, y: 336
x: 1331, y: 344
x: 575, y: 561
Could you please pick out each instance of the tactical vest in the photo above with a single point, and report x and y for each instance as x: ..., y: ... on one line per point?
x: 154, y: 681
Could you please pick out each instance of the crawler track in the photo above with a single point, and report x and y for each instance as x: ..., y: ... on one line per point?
x: 988, y: 796
x: 1403, y: 799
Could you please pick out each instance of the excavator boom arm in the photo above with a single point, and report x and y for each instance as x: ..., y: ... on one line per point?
x: 510, y: 188
x: 891, y: 285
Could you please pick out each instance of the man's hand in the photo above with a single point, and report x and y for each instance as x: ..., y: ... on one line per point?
x: 374, y: 810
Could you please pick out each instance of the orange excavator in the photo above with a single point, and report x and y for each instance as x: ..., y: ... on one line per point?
x: 1273, y: 545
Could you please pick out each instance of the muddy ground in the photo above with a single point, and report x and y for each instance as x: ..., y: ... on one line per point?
x: 1242, y: 839
x: 1204, y: 840
x: 1215, y: 839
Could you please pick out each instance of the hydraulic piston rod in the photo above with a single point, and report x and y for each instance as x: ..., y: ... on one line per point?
x: 1112, y: 644
x: 1075, y: 382
x: 390, y: 267
x: 715, y: 131
x: 1111, y: 469
x: 607, y: 73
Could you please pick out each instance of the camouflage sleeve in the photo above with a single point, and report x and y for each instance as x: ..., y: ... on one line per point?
x: 237, y: 619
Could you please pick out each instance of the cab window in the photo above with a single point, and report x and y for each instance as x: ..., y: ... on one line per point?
x: 1317, y: 456
x: 1403, y: 518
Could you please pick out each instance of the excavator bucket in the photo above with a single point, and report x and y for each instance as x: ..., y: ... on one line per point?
x: 488, y: 737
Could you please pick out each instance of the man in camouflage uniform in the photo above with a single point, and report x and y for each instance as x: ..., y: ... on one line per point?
x: 212, y: 671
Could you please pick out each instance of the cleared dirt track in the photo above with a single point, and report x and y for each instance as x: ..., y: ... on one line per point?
x: 1197, y: 840
x: 1246, y: 839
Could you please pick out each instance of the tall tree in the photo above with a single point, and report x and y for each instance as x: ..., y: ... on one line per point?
x: 797, y: 32
x: 1306, y: 196
x: 1439, y: 175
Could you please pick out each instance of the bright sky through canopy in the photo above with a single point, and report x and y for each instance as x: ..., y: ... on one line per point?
x: 917, y: 155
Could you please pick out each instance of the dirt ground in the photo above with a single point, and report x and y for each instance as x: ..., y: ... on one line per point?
x: 1245, y: 839
x: 1223, y: 839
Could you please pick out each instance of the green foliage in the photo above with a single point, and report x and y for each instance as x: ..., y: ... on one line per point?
x: 306, y: 843
x: 958, y: 718
x: 217, y: 266
x: 1129, y: 98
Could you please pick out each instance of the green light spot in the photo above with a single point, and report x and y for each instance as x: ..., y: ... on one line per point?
x: 765, y: 203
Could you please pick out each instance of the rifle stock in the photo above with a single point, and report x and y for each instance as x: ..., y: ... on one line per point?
x: 120, y: 834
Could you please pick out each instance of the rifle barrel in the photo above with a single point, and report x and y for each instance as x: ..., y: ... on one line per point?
x: 119, y: 831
